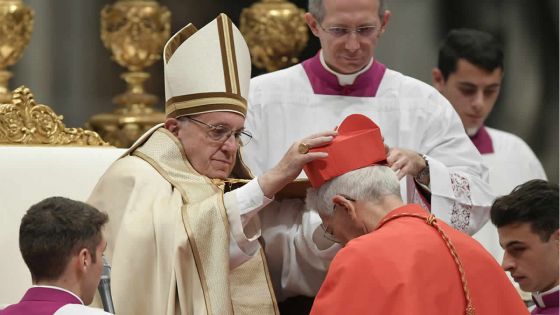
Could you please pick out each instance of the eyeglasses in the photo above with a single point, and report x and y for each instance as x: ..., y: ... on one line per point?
x: 339, y: 31
x: 326, y: 232
x: 221, y: 133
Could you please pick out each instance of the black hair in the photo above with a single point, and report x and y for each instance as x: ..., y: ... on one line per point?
x: 53, y: 230
x: 535, y: 202
x: 477, y: 47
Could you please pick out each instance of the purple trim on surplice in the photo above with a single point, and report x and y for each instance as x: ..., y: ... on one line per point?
x: 482, y: 141
x: 41, y: 301
x: 551, y: 304
x: 326, y: 83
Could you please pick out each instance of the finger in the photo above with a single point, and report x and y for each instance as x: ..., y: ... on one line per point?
x: 387, y: 149
x: 312, y: 156
x: 406, y: 170
x: 393, y: 157
x: 395, y: 166
x: 331, y: 133
x: 401, y: 164
x: 318, y: 141
x: 398, y: 173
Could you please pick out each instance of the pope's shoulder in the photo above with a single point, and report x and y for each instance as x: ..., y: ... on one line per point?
x: 131, y: 168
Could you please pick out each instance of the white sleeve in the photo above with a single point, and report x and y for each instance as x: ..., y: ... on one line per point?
x: 460, y: 193
x: 297, y: 253
x: 73, y: 309
x: 242, y: 204
x: 256, y: 153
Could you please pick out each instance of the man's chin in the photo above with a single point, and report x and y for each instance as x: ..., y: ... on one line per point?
x: 351, y: 68
x: 345, y: 66
x: 471, y: 131
x: 220, y: 174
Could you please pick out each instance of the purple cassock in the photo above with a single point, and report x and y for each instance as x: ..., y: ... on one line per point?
x: 546, y: 303
x: 326, y: 83
x: 41, y: 301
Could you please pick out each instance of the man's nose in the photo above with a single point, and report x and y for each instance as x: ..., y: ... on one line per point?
x: 478, y: 100
x: 508, y: 263
x: 352, y: 42
x: 231, y: 144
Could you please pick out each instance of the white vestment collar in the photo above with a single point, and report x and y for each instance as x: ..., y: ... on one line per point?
x: 344, y: 79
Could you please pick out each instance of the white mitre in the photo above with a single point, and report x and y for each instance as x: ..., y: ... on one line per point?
x: 206, y: 70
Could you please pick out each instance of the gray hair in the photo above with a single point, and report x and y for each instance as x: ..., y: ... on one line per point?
x: 369, y: 183
x: 316, y: 8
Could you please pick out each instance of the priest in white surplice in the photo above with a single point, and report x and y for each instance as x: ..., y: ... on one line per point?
x: 437, y: 163
x: 469, y: 74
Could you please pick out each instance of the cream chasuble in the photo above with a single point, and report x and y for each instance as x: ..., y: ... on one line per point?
x: 168, y: 238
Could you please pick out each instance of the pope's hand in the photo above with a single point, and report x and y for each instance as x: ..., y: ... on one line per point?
x: 293, y: 161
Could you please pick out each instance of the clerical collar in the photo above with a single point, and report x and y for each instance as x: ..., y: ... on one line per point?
x: 325, y: 81
x: 546, y: 299
x: 482, y: 141
x: 59, y: 289
x: 344, y: 79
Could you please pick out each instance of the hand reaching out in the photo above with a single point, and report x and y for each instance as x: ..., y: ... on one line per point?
x: 405, y: 162
x: 293, y: 161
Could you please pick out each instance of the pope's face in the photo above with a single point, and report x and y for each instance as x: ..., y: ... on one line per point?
x: 532, y: 262
x: 472, y: 91
x: 214, y: 159
x: 351, y: 52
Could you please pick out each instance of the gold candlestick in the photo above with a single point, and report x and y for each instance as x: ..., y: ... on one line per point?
x: 16, y: 25
x: 276, y: 33
x: 135, y: 31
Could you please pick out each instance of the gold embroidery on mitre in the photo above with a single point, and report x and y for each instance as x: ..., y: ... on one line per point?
x: 227, y: 45
x: 205, y: 102
x: 176, y: 40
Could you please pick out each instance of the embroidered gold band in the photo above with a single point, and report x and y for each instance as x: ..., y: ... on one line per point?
x: 177, y: 40
x: 205, y: 102
x: 228, y: 54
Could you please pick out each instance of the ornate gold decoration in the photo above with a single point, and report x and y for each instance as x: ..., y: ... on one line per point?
x: 16, y: 25
x: 276, y: 33
x: 135, y: 31
x: 24, y: 122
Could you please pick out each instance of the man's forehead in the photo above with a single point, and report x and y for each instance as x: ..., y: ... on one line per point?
x: 516, y: 233
x: 466, y: 67
x: 350, y: 10
x: 222, y: 118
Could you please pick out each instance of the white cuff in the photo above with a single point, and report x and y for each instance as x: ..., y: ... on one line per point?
x: 242, y: 205
x: 250, y: 200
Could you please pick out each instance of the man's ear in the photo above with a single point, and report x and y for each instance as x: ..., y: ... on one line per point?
x: 312, y: 23
x: 384, y: 22
x: 437, y: 79
x: 172, y: 125
x: 346, y: 204
x: 84, y: 259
